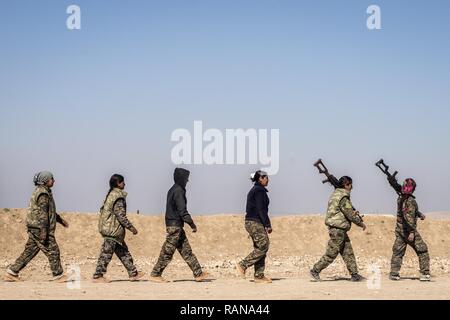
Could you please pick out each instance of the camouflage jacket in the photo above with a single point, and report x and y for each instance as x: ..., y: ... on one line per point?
x: 42, y: 210
x: 341, y: 213
x: 113, y: 219
x: 407, y: 214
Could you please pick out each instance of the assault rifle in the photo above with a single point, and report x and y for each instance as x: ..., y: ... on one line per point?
x: 392, y: 178
x: 331, y: 179
x: 323, y: 169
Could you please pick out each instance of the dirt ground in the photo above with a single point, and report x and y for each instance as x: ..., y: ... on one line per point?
x: 296, y: 244
x: 231, y: 289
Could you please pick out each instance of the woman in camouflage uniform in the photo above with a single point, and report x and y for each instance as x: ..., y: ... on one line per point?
x: 112, y: 224
x: 406, y: 232
x: 339, y: 218
x: 41, y: 224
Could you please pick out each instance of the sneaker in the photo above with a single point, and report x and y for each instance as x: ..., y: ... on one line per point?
x: 11, y: 276
x: 394, y: 277
x: 315, y: 275
x: 158, y: 279
x: 11, y: 272
x: 138, y: 276
x: 263, y: 280
x: 60, y: 278
x: 201, y: 277
x: 240, y: 270
x: 100, y: 280
x: 357, y: 278
x: 425, y: 277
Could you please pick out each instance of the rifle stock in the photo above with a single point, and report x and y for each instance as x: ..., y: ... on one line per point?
x: 324, y: 170
x: 385, y: 169
x: 331, y: 179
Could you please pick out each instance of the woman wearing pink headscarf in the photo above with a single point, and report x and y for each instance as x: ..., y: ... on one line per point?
x: 406, y: 232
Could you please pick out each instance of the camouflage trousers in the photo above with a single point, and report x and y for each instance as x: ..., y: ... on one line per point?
x: 108, y: 249
x: 176, y: 240
x: 399, y: 249
x: 339, y: 243
x: 33, y: 246
x: 257, y: 257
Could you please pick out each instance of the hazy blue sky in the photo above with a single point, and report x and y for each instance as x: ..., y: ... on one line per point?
x: 88, y: 103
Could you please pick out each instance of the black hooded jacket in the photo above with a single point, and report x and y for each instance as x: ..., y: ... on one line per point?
x: 258, y: 205
x: 176, y: 208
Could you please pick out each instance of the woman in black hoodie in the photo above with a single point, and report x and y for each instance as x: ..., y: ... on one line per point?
x: 176, y: 216
x: 257, y: 224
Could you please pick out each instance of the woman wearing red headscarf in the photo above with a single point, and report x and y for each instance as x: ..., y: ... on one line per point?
x: 406, y: 231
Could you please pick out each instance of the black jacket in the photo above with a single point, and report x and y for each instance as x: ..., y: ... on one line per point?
x: 176, y: 208
x: 258, y: 205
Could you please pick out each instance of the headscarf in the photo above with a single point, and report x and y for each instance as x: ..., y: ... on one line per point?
x: 409, y: 186
x: 42, y: 178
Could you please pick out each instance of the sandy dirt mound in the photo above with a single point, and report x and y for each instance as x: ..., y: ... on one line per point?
x: 296, y: 243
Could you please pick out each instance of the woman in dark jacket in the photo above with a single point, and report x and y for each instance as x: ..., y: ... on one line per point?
x: 257, y: 224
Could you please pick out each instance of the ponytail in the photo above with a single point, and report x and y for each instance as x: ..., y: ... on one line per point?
x: 254, y: 177
x: 114, y: 182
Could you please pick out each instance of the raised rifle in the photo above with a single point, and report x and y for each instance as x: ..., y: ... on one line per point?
x: 323, y: 170
x: 392, y: 178
x: 331, y: 179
